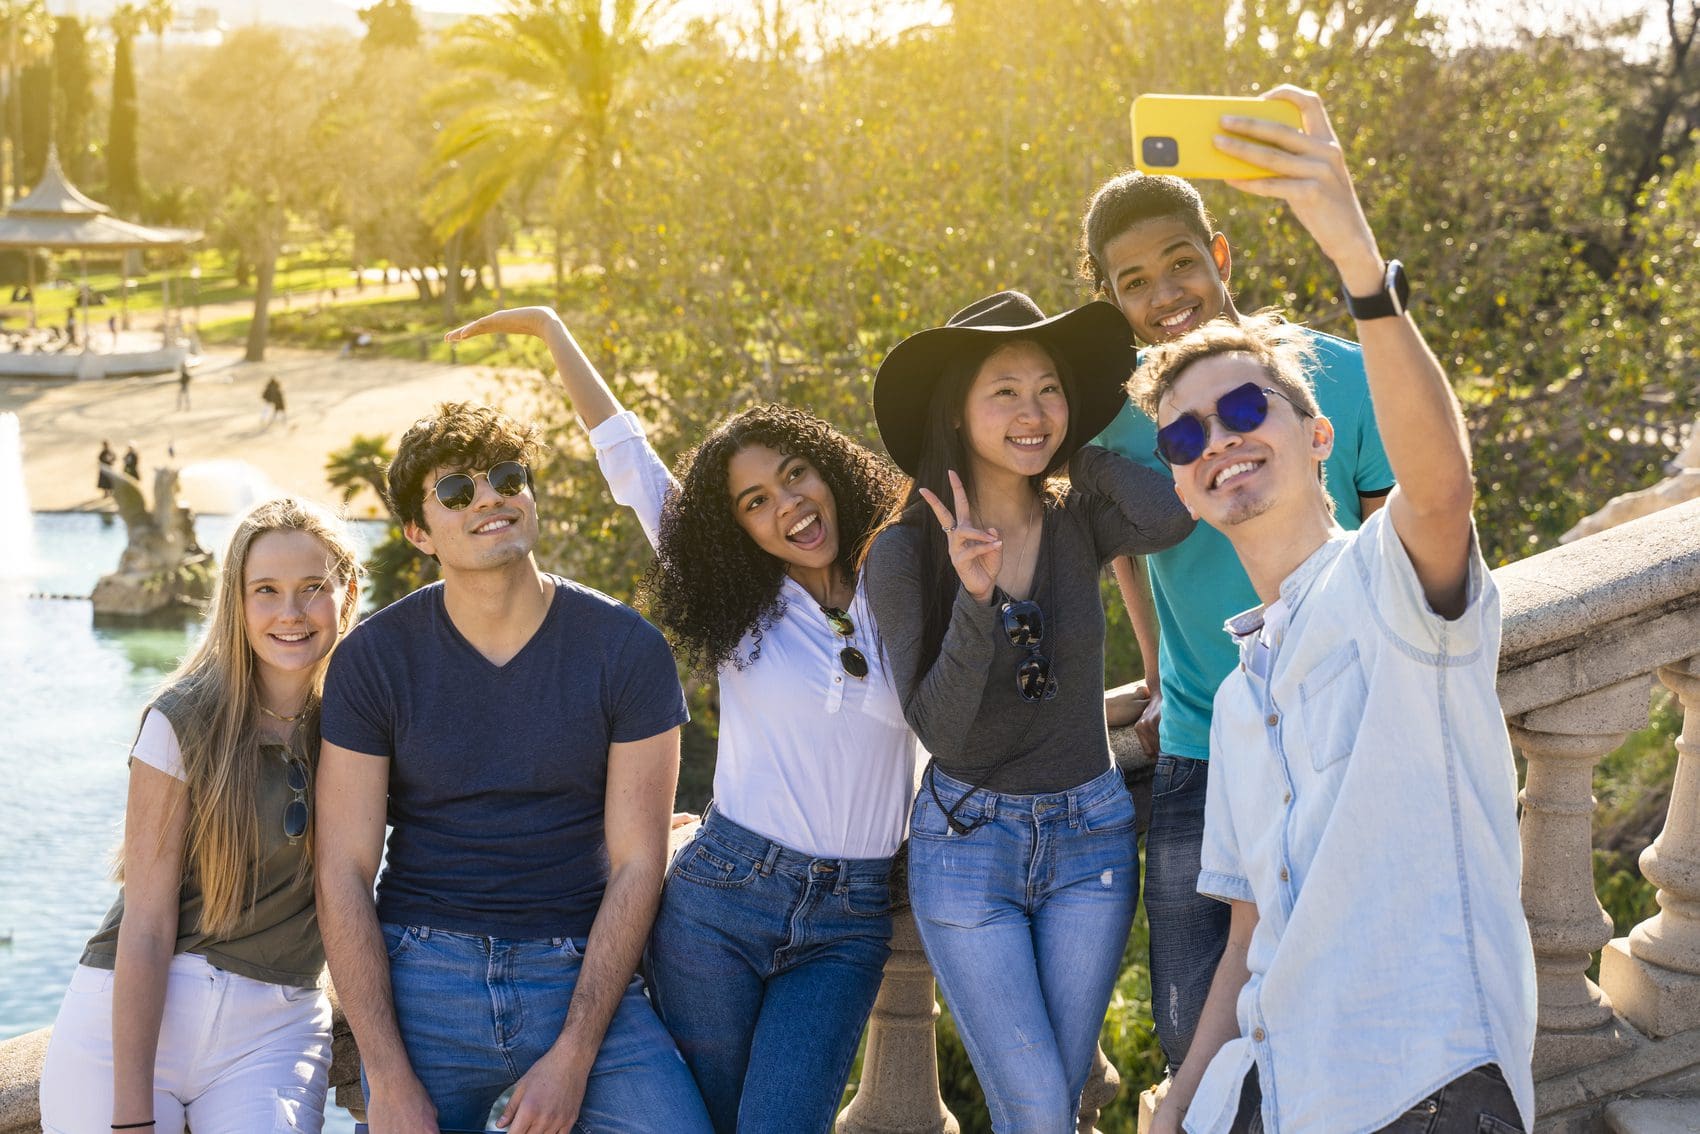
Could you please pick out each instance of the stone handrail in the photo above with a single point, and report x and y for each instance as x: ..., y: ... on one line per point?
x: 1588, y: 628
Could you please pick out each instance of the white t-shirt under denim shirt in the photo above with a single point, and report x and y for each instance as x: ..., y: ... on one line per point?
x: 810, y: 757
x: 1364, y: 797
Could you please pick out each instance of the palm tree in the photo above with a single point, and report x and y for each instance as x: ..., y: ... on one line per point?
x: 157, y: 16
x: 362, y: 463
x: 538, y: 98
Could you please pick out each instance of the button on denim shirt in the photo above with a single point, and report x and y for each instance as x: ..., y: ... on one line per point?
x: 1364, y: 797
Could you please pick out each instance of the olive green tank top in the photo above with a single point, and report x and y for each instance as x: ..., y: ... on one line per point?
x: 279, y: 942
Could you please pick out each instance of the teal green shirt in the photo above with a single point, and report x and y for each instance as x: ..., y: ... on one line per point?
x: 1199, y: 583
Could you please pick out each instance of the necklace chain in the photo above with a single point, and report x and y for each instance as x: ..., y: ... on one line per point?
x: 290, y: 719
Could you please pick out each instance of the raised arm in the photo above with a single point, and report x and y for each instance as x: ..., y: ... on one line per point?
x: 636, y: 476
x: 1421, y: 426
x: 1137, y: 509
x: 350, y: 797
x: 155, y: 822
x: 588, y: 394
x: 637, y: 814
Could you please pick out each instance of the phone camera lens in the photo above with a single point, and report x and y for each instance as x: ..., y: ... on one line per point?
x: 1160, y: 150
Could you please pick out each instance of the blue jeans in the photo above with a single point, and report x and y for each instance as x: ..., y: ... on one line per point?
x: 1024, y: 919
x: 476, y: 1012
x: 764, y: 964
x: 1188, y: 930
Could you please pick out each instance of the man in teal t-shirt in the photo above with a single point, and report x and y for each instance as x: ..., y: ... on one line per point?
x: 1148, y: 245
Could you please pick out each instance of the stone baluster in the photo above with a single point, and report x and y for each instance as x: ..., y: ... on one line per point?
x: 1653, y: 975
x: 1101, y: 1086
x: 1562, y: 743
x: 899, y: 1092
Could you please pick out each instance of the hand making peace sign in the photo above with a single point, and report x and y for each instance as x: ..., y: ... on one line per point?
x: 976, y: 553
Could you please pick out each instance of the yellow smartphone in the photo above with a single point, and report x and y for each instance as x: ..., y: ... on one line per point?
x: 1172, y: 134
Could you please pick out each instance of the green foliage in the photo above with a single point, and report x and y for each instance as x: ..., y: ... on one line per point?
x: 73, y: 94
x: 123, y: 187
x: 390, y: 24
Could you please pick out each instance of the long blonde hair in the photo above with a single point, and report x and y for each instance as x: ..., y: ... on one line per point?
x: 214, y: 711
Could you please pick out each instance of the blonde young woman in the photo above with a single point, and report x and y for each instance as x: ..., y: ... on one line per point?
x: 197, y: 1002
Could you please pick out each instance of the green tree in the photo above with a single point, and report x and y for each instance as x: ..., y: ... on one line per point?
x: 123, y: 186
x: 73, y: 95
x: 394, y: 567
x: 538, y: 98
x: 25, y: 38
x: 390, y: 23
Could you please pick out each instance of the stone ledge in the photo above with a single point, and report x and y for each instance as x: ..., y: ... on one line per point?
x: 20, y: 1082
x: 1559, y: 596
x: 1654, y: 1116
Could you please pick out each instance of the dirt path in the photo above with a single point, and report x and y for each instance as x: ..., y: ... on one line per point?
x: 329, y: 400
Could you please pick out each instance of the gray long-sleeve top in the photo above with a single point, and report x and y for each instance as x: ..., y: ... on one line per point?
x: 966, y: 708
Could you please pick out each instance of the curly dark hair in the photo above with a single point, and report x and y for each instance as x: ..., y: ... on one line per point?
x: 710, y: 584
x: 461, y: 435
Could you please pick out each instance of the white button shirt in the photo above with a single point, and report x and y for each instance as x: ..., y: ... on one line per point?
x: 810, y: 757
x: 1362, y: 794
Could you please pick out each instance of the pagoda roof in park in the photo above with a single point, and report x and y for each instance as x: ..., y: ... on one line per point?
x: 58, y: 215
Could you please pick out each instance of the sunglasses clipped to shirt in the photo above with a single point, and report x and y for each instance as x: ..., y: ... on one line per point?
x: 455, y: 491
x: 1240, y: 410
x: 1024, y: 625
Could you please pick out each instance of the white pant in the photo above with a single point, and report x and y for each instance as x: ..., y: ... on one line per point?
x: 236, y: 1056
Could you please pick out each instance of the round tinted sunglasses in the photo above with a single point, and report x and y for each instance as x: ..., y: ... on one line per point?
x: 1024, y: 626
x: 456, y: 490
x: 1240, y: 410
x: 855, y: 663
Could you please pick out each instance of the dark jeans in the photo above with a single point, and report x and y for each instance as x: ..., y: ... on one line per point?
x: 1188, y: 930
x: 1476, y: 1102
x: 764, y: 964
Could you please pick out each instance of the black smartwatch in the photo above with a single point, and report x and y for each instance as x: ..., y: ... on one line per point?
x: 1386, y: 303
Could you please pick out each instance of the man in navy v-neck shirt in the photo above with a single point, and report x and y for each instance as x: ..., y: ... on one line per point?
x: 520, y: 735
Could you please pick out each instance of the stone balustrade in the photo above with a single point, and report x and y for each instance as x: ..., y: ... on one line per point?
x: 1588, y: 629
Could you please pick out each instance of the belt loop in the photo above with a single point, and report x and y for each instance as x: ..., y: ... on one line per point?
x: 769, y: 859
x: 843, y: 883
x: 424, y: 933
x: 1074, y: 809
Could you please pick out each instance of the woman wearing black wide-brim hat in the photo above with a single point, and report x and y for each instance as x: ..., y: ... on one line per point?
x: 1023, y: 870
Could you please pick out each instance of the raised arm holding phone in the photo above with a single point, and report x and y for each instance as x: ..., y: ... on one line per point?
x: 1361, y: 816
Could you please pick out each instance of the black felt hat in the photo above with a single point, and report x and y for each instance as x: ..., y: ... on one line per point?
x: 1093, y: 340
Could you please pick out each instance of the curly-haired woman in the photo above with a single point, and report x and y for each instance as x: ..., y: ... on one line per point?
x: 775, y: 921
x: 1023, y: 869
x: 197, y: 1002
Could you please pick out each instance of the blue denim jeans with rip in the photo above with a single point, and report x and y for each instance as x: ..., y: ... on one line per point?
x: 476, y: 1012
x: 1188, y: 930
x: 764, y: 964
x: 1024, y: 919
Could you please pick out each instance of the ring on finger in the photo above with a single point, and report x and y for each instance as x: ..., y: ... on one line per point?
x: 948, y: 528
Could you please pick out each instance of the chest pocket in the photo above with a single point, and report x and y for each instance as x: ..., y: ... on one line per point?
x: 1331, y: 704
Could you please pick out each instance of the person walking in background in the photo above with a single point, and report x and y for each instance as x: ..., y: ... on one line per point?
x: 1361, y: 821
x: 197, y: 1003
x: 775, y: 920
x: 132, y: 462
x: 183, y: 384
x: 520, y: 734
x: 106, y: 459
x: 1148, y: 245
x: 272, y: 395
x: 1022, y: 865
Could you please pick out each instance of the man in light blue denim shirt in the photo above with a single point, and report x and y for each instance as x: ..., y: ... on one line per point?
x: 1361, y: 820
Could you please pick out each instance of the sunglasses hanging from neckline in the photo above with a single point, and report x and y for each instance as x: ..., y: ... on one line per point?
x: 855, y: 663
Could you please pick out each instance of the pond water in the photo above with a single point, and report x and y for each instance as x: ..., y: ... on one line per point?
x: 74, y: 694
